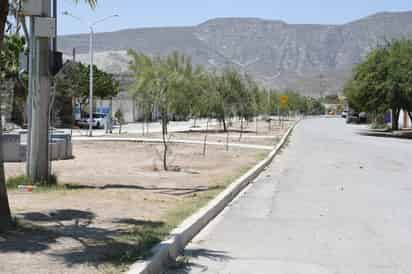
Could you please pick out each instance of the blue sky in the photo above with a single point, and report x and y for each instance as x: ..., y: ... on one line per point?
x: 153, y: 13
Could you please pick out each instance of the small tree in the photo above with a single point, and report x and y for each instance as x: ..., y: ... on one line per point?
x: 168, y: 80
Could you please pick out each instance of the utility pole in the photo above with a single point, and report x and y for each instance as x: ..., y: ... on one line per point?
x: 39, y: 99
x: 91, y: 52
x: 91, y: 82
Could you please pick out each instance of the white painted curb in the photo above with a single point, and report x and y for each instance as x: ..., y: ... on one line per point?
x: 169, y: 249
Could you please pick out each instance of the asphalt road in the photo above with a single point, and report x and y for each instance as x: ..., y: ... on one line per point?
x: 332, y: 202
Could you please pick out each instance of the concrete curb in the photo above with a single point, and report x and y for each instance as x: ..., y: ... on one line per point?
x: 169, y: 249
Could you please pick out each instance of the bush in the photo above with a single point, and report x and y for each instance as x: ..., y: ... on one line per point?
x: 14, y: 182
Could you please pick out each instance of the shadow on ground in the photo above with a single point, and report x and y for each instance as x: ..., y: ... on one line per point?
x: 71, y: 236
x: 215, y: 131
x: 386, y: 134
x: 175, y: 191
x: 187, y: 265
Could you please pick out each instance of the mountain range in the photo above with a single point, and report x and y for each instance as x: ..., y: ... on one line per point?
x: 312, y: 59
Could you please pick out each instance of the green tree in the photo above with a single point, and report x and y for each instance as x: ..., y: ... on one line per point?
x: 168, y: 82
x: 383, y: 81
x: 73, y: 81
x: 9, y: 72
x: 228, y: 85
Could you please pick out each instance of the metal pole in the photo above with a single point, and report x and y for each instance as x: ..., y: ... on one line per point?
x: 91, y: 49
x: 91, y: 84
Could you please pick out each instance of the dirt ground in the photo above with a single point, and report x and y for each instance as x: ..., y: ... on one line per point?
x: 114, y: 186
x: 264, y: 134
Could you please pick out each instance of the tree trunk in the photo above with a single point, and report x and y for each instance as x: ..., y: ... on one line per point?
x: 241, y: 129
x: 165, y: 146
x: 205, y: 139
x: 395, y: 119
x: 410, y: 117
x: 147, y: 127
x: 5, y: 215
x: 256, y: 120
x: 227, y: 141
x: 225, y: 125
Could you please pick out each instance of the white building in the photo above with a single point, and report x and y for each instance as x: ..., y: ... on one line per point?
x: 404, y: 120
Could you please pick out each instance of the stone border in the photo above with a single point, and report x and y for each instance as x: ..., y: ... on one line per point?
x: 169, y: 249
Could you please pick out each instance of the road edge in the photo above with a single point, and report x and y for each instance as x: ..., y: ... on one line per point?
x: 170, y: 248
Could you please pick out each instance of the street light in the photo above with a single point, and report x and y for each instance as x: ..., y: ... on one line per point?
x: 91, y: 52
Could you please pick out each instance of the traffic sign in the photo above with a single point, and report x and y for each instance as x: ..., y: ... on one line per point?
x: 284, y: 100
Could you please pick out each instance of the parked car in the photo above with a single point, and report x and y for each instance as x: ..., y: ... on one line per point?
x: 99, y: 120
x: 352, y: 118
x: 344, y: 114
x: 363, y: 118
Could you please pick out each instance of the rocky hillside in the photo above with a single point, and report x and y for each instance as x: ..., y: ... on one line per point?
x: 314, y: 59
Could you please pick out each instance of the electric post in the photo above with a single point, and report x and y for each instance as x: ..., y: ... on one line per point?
x: 43, y: 28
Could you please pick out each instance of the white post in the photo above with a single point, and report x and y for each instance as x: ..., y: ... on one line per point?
x: 91, y: 84
x: 40, y: 99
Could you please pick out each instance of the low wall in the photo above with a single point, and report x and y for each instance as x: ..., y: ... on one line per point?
x: 14, y: 150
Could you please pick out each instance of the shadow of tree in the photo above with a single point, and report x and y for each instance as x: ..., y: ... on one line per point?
x: 58, y: 215
x: 73, y: 237
x: 189, y: 265
x: 371, y: 133
x: 175, y: 191
x: 215, y: 131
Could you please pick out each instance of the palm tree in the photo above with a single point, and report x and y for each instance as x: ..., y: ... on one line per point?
x: 5, y: 215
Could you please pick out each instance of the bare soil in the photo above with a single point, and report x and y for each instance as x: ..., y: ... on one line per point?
x: 265, y: 133
x: 115, y: 187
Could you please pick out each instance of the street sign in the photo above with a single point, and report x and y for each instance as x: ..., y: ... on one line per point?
x: 31, y: 8
x: 45, y: 27
x: 284, y: 100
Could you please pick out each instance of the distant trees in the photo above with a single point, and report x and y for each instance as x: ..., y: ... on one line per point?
x: 175, y: 89
x: 74, y: 79
x: 383, y: 81
x: 72, y: 82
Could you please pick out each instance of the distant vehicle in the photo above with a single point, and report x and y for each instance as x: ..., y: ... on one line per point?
x: 344, y: 114
x: 352, y: 118
x: 99, y: 120
x: 363, y: 118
